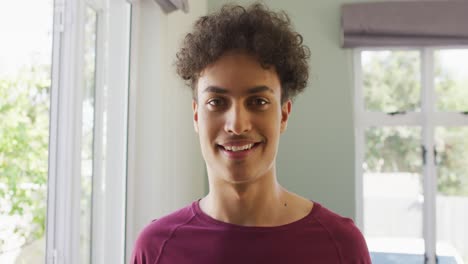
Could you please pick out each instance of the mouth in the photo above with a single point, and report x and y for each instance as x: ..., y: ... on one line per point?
x: 238, y: 150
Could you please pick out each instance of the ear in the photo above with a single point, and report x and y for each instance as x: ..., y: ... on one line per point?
x: 285, y: 112
x: 195, y: 115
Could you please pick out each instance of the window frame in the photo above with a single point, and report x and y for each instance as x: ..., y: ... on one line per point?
x: 65, y: 136
x: 427, y: 119
x: 110, y: 121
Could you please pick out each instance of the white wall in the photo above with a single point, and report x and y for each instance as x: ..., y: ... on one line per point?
x: 166, y: 170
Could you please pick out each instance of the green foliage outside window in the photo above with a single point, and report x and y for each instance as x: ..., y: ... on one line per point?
x: 24, y: 134
x: 391, y: 83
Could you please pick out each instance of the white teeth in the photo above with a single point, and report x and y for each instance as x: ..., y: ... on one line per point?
x: 238, y: 148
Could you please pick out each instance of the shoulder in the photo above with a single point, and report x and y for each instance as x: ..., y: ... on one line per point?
x: 347, y: 238
x: 151, y: 239
x: 337, y: 225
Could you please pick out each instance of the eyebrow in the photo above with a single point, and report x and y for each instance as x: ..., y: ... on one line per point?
x: 253, y: 90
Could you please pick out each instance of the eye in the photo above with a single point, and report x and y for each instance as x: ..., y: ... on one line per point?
x: 216, y: 102
x: 259, y: 101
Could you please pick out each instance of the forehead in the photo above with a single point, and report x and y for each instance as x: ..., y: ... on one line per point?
x: 238, y: 72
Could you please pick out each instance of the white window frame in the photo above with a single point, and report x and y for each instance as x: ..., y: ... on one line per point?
x: 111, y: 108
x: 65, y: 136
x: 130, y: 231
x: 428, y: 119
x: 110, y: 230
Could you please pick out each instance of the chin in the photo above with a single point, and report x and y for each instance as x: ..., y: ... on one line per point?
x: 240, y: 178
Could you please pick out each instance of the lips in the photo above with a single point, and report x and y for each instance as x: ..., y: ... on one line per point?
x: 238, y: 150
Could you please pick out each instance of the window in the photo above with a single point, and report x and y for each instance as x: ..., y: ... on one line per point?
x: 412, y: 151
x: 87, y: 136
x: 63, y: 130
x: 25, y: 81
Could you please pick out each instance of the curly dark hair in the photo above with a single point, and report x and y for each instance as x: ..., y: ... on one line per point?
x: 256, y: 30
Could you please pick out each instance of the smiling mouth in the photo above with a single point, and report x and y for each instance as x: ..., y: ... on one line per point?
x: 238, y: 149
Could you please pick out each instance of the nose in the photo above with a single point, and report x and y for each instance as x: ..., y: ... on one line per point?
x: 238, y: 120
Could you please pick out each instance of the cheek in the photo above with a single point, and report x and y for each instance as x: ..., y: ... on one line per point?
x: 208, y: 124
x: 272, y: 120
x: 269, y: 127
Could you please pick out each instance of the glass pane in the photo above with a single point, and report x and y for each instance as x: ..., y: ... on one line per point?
x: 391, y: 81
x: 393, y: 203
x: 452, y: 194
x: 88, y: 134
x: 25, y: 79
x: 451, y: 80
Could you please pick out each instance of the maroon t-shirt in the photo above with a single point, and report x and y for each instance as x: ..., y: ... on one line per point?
x: 191, y: 236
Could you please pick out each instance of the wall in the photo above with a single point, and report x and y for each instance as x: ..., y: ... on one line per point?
x: 166, y: 170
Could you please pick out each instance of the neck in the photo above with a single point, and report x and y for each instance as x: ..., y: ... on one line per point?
x: 260, y: 203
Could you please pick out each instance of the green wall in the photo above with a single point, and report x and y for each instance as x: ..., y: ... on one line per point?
x: 316, y: 156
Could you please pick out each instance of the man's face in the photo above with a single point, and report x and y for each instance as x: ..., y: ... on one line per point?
x: 239, y: 118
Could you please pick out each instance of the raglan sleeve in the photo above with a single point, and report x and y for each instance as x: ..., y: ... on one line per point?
x: 353, y: 246
x: 147, y: 246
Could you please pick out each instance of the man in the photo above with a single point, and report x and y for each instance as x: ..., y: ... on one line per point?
x: 244, y: 67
